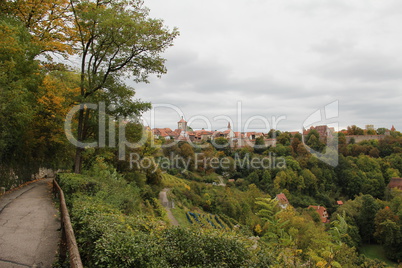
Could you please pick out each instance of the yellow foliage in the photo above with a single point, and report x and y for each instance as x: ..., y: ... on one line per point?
x: 47, y: 20
x: 173, y: 181
x: 258, y: 229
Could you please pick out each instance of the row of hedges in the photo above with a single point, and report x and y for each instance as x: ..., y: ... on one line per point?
x: 208, y: 220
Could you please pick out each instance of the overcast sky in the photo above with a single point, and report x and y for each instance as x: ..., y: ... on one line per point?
x: 279, y: 61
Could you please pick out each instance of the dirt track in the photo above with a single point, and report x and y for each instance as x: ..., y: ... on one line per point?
x: 165, y: 202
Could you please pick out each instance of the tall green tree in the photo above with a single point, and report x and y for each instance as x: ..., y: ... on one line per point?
x: 115, y: 40
x: 20, y: 77
x: 259, y: 146
x: 365, y: 219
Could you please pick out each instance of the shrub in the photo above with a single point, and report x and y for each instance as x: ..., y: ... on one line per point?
x: 204, y: 248
x: 76, y: 183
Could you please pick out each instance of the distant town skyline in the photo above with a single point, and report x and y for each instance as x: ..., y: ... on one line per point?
x: 234, y: 126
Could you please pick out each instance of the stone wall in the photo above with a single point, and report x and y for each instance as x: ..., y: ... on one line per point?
x: 360, y: 138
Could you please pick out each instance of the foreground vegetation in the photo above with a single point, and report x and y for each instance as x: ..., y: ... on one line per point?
x: 120, y: 222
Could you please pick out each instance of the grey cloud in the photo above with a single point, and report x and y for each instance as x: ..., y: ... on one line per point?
x: 346, y: 51
x: 312, y: 7
x: 373, y: 68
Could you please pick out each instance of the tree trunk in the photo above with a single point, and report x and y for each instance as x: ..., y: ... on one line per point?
x: 80, y: 138
x: 78, y: 160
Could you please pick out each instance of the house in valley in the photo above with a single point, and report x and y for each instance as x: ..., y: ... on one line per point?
x: 322, y: 211
x: 283, y: 202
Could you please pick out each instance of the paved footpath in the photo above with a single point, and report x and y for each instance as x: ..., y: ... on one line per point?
x: 29, y: 227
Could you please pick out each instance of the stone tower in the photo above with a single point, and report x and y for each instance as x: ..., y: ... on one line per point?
x: 182, y: 124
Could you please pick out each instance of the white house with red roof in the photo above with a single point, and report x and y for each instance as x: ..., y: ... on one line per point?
x: 283, y: 202
x: 322, y: 211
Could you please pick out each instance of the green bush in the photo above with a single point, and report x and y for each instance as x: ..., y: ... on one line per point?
x: 204, y: 248
x: 76, y: 183
x: 128, y: 249
x: 108, y: 238
x: 100, y: 229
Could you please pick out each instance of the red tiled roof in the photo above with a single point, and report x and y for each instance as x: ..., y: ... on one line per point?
x: 164, y: 132
x: 238, y: 134
x: 395, y: 183
x: 282, y: 198
x: 339, y: 202
x: 322, y: 211
x: 202, y: 132
x: 322, y: 130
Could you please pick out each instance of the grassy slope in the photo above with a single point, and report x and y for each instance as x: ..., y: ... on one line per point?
x: 180, y: 215
x: 179, y: 212
x: 376, y: 252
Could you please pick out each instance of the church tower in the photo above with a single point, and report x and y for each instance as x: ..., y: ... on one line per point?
x: 182, y: 124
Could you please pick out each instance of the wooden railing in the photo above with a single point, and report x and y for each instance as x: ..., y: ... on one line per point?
x: 67, y: 233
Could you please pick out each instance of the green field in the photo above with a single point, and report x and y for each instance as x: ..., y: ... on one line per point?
x: 376, y: 252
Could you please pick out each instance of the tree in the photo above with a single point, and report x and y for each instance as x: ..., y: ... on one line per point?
x: 281, y: 150
x: 187, y: 152
x: 310, y: 181
x: 20, y: 77
x: 295, y: 145
x: 266, y: 181
x: 381, y: 131
x: 115, y: 40
x: 259, y: 146
x: 340, y: 230
x: 284, y: 138
x: 53, y: 100
x: 222, y: 144
x: 313, y: 140
x: 374, y: 152
x: 355, y: 130
x: 389, y: 232
x: 48, y: 21
x: 272, y: 134
x: 268, y: 208
x: 366, y: 217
